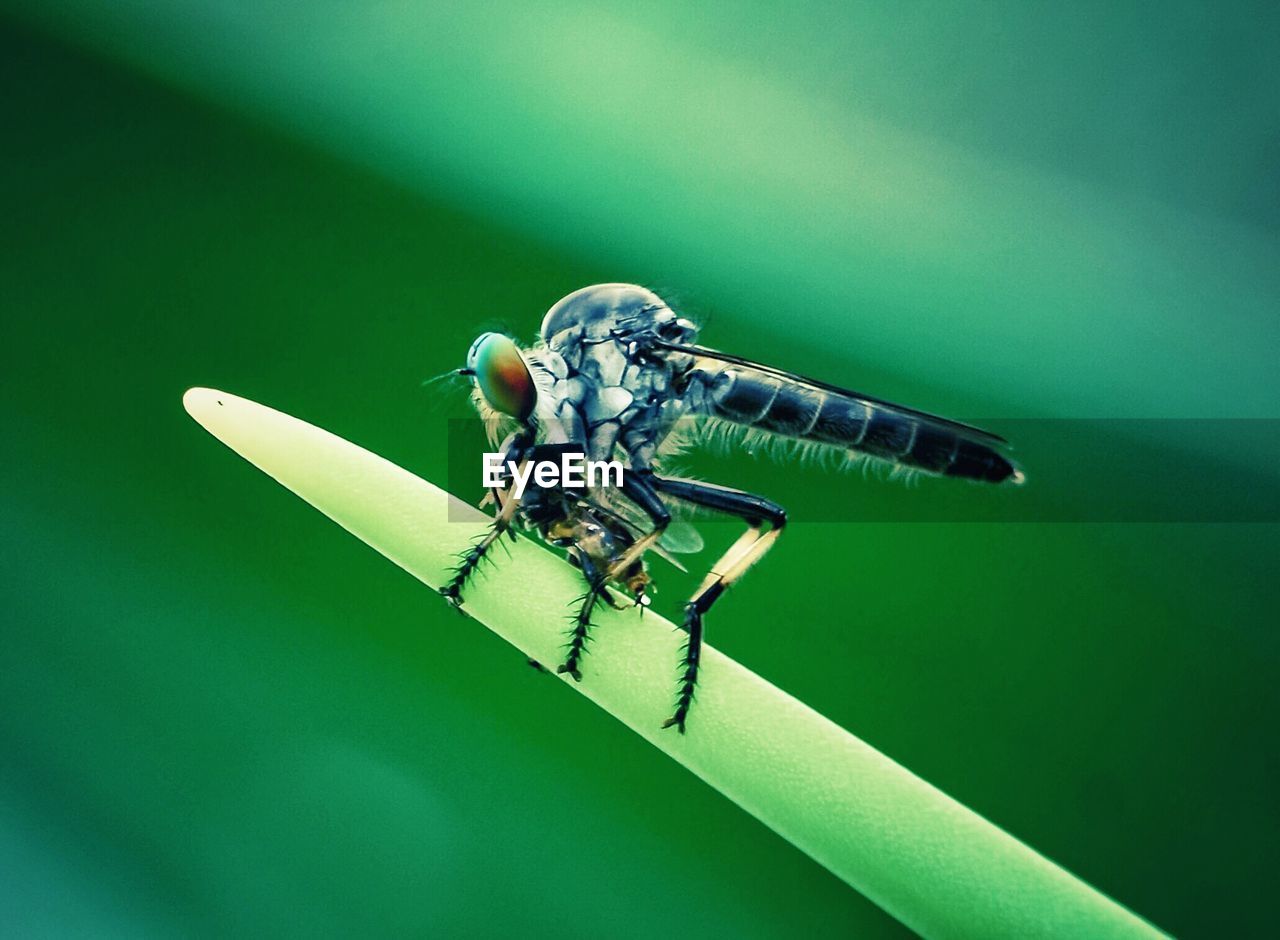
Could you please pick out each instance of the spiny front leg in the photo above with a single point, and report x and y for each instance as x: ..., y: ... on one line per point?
x: 507, y: 503
x: 469, y: 562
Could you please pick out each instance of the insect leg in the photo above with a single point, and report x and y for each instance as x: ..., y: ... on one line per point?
x: 581, y: 621
x: 574, y: 559
x: 508, y: 504
x: 471, y: 558
x: 639, y: 487
x: 745, y: 552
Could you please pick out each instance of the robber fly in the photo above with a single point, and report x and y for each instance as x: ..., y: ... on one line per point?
x: 618, y: 374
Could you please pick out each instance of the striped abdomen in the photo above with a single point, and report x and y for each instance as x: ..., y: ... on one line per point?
x: 795, y: 408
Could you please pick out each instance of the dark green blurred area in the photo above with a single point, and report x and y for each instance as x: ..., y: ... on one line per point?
x: 221, y: 714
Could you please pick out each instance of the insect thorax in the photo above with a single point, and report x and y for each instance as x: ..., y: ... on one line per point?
x: 611, y: 386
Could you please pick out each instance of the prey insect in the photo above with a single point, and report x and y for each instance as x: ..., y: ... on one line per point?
x: 617, y: 374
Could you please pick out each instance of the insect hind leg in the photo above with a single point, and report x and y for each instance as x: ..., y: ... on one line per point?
x: 745, y: 552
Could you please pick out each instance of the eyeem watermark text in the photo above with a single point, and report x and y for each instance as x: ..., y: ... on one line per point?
x: 571, y: 471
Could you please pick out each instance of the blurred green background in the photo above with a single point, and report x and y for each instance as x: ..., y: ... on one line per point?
x: 219, y: 713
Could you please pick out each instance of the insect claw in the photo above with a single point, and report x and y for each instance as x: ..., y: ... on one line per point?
x: 454, y: 597
x: 571, y: 670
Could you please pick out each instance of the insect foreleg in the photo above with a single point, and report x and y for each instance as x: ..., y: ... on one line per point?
x: 508, y: 504
x: 471, y: 558
x: 745, y: 552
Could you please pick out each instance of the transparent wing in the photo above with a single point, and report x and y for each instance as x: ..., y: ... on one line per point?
x: 681, y: 538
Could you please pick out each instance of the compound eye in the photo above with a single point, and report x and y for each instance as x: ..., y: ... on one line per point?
x: 502, y: 375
